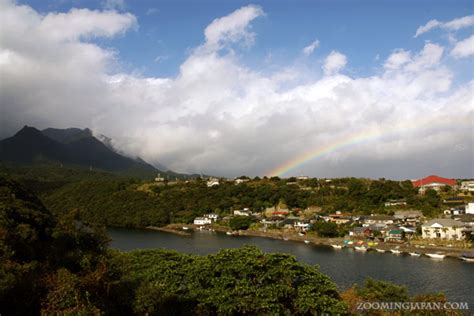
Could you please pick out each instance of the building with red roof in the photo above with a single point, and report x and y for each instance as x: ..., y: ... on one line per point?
x: 433, y: 182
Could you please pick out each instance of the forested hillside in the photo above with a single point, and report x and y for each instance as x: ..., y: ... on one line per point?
x: 58, y: 265
x: 103, y: 198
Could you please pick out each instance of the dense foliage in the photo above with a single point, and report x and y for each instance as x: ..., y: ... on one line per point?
x: 62, y: 266
x: 126, y: 202
x: 233, y: 281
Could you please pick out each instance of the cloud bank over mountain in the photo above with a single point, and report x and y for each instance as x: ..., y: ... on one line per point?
x: 412, y: 116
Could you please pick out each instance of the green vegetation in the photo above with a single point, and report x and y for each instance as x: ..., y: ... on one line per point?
x: 61, y: 266
x: 52, y: 264
x: 240, y: 222
x: 103, y: 198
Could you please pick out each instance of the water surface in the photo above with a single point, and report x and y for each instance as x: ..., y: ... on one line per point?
x: 453, y: 277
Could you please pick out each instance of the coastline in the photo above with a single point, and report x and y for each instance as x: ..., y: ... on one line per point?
x: 177, y: 229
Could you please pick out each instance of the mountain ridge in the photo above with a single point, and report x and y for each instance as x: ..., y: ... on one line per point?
x: 71, y: 146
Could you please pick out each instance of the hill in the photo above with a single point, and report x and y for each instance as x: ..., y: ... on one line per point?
x: 71, y: 147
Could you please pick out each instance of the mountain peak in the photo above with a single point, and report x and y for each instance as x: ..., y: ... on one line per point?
x: 28, y: 131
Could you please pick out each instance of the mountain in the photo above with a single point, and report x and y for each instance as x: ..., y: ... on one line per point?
x: 72, y: 146
x: 67, y: 135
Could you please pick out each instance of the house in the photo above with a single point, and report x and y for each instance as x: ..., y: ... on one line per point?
x: 363, y: 232
x: 465, y: 219
x: 442, y: 228
x: 408, y: 217
x: 395, y: 202
x: 159, y: 178
x: 340, y: 218
x: 380, y: 219
x: 301, y: 225
x: 241, y: 180
x: 467, y: 186
x: 272, y: 221
x: 433, y: 182
x: 244, y: 212
x: 470, y: 208
x: 212, y: 216
x: 453, y: 211
x: 395, y: 235
x: 212, y: 182
x: 202, y: 221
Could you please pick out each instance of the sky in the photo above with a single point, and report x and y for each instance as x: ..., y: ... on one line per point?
x: 319, y: 88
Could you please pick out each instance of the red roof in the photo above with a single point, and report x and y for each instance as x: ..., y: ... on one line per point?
x: 433, y: 179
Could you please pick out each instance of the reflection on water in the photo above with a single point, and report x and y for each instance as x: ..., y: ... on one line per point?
x: 346, y: 267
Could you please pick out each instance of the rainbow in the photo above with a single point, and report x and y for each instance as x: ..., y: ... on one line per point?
x: 369, y: 135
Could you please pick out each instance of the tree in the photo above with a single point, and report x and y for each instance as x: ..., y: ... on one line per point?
x: 240, y: 222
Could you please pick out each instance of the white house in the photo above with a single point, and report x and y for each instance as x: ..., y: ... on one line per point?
x: 467, y: 186
x: 202, y: 221
x: 301, y: 225
x: 212, y: 216
x: 212, y: 182
x: 441, y: 228
x: 241, y: 180
x: 244, y: 212
x: 470, y: 208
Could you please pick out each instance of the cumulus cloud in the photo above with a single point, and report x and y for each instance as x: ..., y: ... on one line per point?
x: 334, y: 62
x: 452, y: 25
x: 308, y: 50
x: 464, y: 48
x: 232, y: 28
x: 218, y: 116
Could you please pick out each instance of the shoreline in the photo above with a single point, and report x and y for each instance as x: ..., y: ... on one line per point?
x: 451, y: 252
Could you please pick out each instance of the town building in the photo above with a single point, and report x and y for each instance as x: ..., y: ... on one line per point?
x: 467, y: 186
x: 433, y: 182
x: 380, y: 220
x: 212, y: 182
x: 442, y: 228
x: 244, y: 212
x: 409, y: 217
x: 395, y: 202
x: 212, y: 216
x: 202, y: 221
x: 469, y: 208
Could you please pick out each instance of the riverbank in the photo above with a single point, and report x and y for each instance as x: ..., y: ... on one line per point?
x: 315, y: 240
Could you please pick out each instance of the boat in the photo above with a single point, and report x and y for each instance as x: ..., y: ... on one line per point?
x: 337, y: 246
x: 285, y: 238
x: 415, y: 254
x: 300, y: 234
x: 395, y: 251
x: 306, y: 241
x: 229, y: 233
x: 437, y: 255
x: 185, y: 228
x: 468, y: 257
x: 360, y: 248
x: 380, y: 250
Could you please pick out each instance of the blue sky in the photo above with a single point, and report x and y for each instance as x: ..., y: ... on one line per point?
x: 363, y: 30
x: 236, y: 87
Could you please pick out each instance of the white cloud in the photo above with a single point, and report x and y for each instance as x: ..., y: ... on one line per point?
x: 452, y: 25
x: 218, y: 116
x: 308, y: 50
x: 397, y: 59
x: 334, y: 62
x: 464, y: 48
x: 232, y: 28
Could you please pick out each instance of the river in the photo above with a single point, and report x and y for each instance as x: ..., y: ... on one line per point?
x: 346, y: 267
